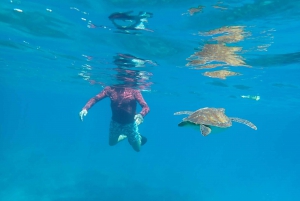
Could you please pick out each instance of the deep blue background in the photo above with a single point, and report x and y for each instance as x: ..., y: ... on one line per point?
x: 47, y: 153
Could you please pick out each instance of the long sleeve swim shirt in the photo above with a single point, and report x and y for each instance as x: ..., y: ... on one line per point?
x: 123, y: 103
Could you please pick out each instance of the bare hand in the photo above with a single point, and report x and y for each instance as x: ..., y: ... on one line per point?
x: 138, y: 119
x: 82, y: 113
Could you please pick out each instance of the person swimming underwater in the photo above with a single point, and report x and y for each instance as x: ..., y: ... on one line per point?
x: 124, y: 122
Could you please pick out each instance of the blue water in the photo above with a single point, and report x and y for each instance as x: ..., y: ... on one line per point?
x: 52, y: 62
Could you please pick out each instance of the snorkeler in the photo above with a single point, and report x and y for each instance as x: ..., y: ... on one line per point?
x: 125, y: 121
x: 134, y: 22
x: 128, y: 60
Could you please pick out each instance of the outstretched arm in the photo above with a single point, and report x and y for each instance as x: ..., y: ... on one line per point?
x: 92, y: 101
x: 97, y: 98
x: 142, y: 102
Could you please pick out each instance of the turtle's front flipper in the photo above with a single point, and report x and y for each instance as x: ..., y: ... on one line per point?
x: 243, y: 121
x: 183, y: 112
x: 205, y: 130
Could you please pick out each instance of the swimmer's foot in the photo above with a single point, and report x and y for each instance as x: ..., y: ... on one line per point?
x: 121, y: 137
x: 143, y: 140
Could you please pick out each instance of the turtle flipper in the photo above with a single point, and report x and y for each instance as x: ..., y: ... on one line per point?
x: 183, y: 112
x: 205, y: 130
x: 243, y: 121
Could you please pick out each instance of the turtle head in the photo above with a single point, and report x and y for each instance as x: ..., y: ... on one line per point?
x: 183, y: 123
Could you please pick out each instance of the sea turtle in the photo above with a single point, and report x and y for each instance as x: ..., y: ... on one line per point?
x: 210, y: 118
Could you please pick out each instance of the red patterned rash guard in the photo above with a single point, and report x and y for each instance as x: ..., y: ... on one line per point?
x: 123, y: 103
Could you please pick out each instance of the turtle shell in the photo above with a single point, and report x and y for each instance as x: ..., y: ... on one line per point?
x: 211, y: 117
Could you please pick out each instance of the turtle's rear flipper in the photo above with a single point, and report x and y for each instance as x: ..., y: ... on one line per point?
x: 244, y: 121
x: 204, y: 130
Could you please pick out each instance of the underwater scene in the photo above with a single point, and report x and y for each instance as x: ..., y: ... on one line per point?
x: 150, y: 100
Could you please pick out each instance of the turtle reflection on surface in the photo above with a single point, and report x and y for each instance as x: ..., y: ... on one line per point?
x: 221, y: 74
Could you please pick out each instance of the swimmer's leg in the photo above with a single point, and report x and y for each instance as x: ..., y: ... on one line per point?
x: 134, y: 137
x: 115, y: 135
x: 143, y: 140
x: 136, y: 143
